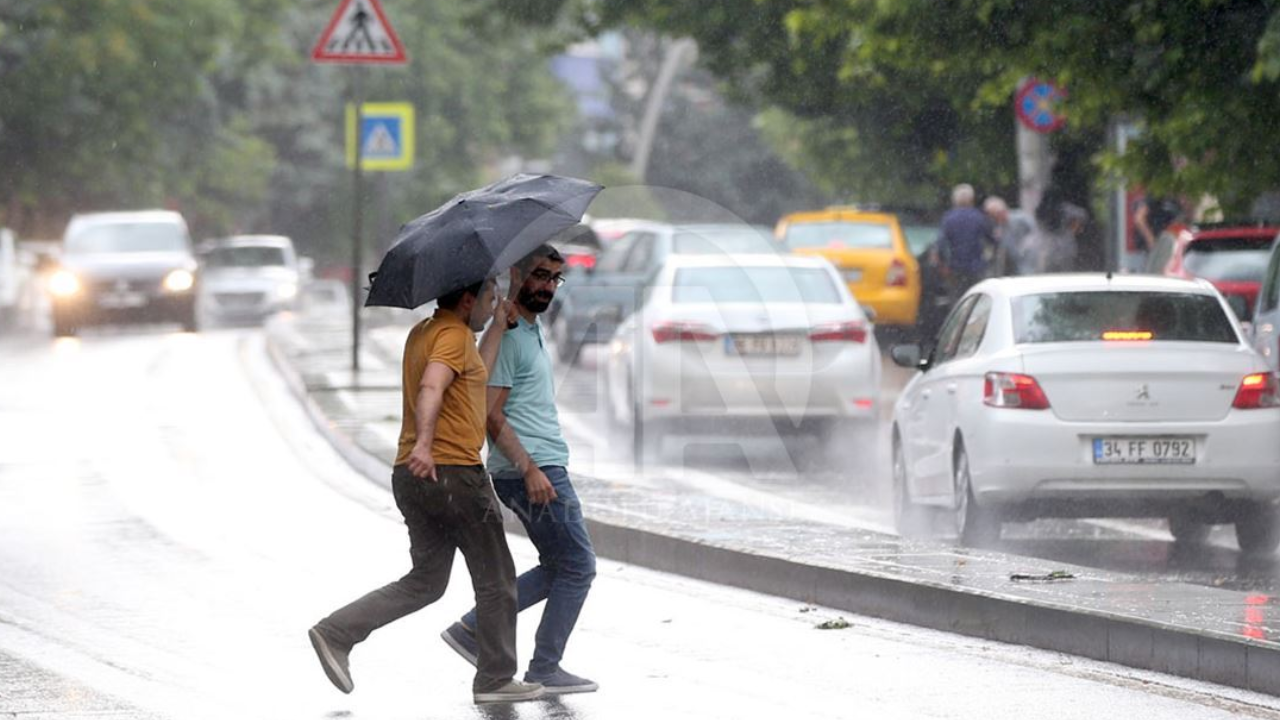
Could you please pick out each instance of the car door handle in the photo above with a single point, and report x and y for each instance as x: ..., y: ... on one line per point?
x: 951, y: 388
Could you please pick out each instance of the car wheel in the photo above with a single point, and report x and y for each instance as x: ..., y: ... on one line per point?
x: 646, y: 438
x: 1187, y: 530
x: 188, y: 319
x: 976, y: 526
x: 908, y: 517
x: 1258, y: 530
x: 64, y: 325
x: 567, y: 351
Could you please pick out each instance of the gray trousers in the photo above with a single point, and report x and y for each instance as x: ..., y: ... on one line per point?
x: 460, y: 512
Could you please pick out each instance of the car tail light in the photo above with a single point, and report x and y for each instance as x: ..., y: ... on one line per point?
x: 1011, y: 390
x: 585, y: 262
x: 854, y: 331
x: 666, y: 332
x: 897, y: 275
x: 1259, y: 390
x: 1127, y: 335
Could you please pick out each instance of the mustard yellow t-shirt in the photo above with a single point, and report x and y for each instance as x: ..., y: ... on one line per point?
x: 445, y: 338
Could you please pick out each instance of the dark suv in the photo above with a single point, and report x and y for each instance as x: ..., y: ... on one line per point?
x: 124, y: 266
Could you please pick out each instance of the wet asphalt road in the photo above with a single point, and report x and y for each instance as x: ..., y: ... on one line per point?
x: 170, y: 525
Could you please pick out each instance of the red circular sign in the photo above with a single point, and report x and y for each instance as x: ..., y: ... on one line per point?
x: 1037, y: 105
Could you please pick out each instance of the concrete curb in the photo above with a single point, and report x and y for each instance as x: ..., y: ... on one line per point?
x: 1128, y: 641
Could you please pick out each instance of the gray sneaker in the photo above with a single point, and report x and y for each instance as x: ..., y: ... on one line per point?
x: 333, y: 659
x: 463, y: 642
x: 514, y: 691
x: 562, y: 682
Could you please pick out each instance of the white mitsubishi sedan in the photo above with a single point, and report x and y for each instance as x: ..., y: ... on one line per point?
x: 740, y: 337
x: 1089, y: 396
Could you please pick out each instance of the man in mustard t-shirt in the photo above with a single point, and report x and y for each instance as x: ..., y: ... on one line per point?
x: 447, y: 501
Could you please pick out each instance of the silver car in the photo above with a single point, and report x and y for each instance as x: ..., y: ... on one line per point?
x: 246, y: 278
x: 1266, y: 314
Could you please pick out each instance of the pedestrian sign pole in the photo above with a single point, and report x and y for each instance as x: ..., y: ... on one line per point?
x: 358, y: 34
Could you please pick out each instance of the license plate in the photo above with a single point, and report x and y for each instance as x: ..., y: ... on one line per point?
x: 121, y: 300
x: 1144, y: 451
x: 852, y: 275
x: 763, y: 344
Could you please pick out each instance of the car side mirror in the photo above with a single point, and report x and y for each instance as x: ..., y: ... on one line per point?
x: 908, y: 356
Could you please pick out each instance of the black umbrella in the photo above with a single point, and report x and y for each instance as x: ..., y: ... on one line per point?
x: 476, y: 235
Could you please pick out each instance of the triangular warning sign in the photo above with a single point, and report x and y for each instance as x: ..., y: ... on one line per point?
x: 381, y: 143
x: 359, y: 33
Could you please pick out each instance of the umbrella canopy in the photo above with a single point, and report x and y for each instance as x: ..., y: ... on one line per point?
x: 476, y: 235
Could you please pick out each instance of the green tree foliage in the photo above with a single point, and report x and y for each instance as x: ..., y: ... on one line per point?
x: 213, y: 107
x: 919, y: 91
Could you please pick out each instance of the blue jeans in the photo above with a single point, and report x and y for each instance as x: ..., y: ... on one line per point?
x: 566, y: 564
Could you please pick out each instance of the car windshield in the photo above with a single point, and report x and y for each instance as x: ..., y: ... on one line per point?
x: 1228, y: 259
x: 1120, y: 315
x: 839, y: 235
x: 245, y: 256
x: 722, y: 240
x: 754, y: 285
x: 127, y: 237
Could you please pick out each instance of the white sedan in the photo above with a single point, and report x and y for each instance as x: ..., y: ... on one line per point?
x: 767, y: 337
x: 1088, y: 396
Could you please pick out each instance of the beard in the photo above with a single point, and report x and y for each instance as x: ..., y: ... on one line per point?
x: 534, y: 302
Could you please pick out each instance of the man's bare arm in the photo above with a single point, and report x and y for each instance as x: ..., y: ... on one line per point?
x: 435, y: 380
x: 501, y: 433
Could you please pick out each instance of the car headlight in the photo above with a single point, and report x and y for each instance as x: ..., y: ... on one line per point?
x: 287, y: 291
x: 64, y: 283
x: 179, y: 281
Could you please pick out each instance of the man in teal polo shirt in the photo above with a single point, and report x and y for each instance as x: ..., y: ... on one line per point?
x: 527, y: 458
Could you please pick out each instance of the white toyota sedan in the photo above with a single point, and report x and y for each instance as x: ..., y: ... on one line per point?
x: 766, y: 337
x: 1089, y: 396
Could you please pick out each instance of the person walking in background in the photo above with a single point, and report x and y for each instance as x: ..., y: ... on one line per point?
x: 963, y: 242
x: 1056, y: 239
x: 528, y: 456
x: 1010, y: 229
x: 447, y: 502
x: 1152, y: 216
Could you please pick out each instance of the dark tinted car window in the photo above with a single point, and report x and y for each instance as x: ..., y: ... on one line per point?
x: 245, y: 257
x: 127, y: 237
x: 1228, y: 259
x: 1089, y: 316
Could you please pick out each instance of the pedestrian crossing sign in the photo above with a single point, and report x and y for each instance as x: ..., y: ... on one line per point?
x: 386, y: 136
x: 359, y: 33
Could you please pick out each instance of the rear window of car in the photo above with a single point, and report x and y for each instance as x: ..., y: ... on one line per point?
x: 127, y: 237
x: 1120, y: 315
x: 838, y: 235
x: 754, y: 285
x: 245, y: 256
x: 1228, y: 259
x: 701, y: 242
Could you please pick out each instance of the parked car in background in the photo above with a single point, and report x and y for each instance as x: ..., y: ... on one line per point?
x: 1090, y: 396
x: 731, y: 337
x: 12, y: 278
x: 871, y: 253
x: 1266, y: 315
x: 1233, y: 258
x: 595, y: 300
x: 124, y: 266
x: 246, y: 278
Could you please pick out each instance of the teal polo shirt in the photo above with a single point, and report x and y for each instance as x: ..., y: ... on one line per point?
x: 524, y: 365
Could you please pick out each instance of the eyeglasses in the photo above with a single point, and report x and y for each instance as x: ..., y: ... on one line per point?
x: 543, y: 275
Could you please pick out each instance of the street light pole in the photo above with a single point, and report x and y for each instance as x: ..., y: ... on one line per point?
x: 357, y: 214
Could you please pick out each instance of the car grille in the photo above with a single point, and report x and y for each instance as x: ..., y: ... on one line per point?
x: 240, y: 300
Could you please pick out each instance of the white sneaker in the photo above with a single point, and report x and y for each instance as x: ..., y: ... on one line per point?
x: 514, y: 691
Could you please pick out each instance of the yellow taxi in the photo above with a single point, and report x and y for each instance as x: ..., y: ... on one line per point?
x: 870, y: 251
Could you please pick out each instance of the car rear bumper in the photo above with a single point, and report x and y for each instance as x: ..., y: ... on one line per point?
x: 1030, y: 456
x: 845, y: 388
x: 893, y: 306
